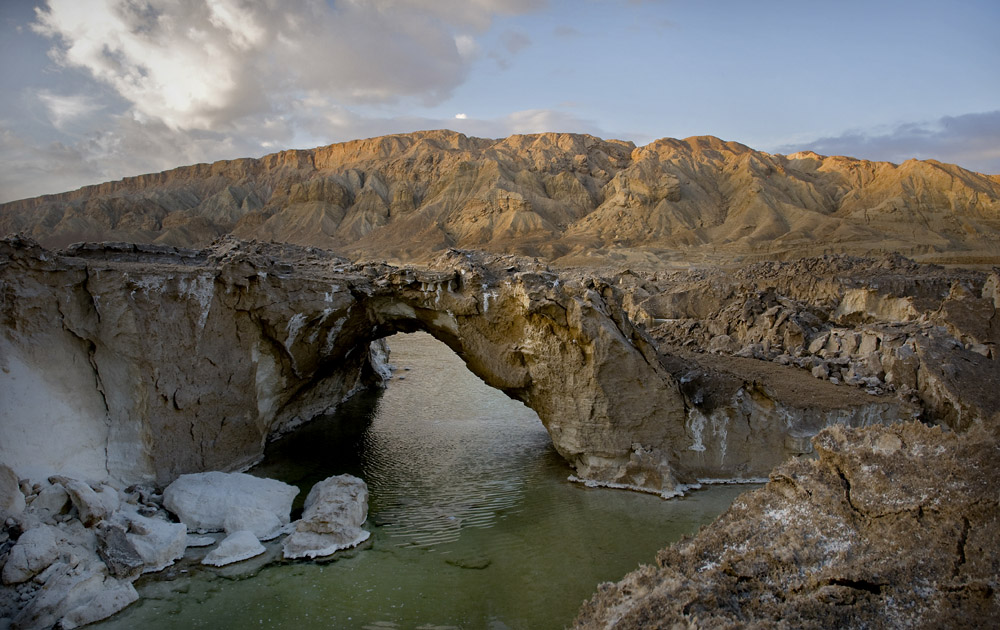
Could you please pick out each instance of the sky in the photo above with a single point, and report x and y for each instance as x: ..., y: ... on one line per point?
x: 97, y: 90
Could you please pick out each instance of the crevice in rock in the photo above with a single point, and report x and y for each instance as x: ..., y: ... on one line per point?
x: 847, y: 490
x: 862, y: 585
x: 963, y: 539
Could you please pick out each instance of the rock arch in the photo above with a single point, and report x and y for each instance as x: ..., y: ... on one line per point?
x: 162, y: 361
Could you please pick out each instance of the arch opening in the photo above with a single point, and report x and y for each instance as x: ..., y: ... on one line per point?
x: 440, y: 449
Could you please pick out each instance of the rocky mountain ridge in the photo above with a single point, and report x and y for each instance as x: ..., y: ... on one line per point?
x: 571, y: 199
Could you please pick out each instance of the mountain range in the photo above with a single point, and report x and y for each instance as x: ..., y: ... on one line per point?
x: 568, y: 198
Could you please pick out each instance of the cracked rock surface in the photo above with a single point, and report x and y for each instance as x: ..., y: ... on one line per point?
x: 891, y: 527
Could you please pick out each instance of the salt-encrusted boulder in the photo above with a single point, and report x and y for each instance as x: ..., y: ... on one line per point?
x: 158, y: 542
x: 334, y: 512
x: 51, y: 501
x: 93, y: 505
x: 114, y: 596
x: 34, y: 552
x: 238, y: 546
x: 264, y: 523
x: 203, y: 501
x: 74, y: 594
x: 11, y: 497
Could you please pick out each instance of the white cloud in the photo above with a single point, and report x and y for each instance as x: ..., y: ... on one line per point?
x: 203, y: 64
x: 66, y: 109
x: 174, y: 82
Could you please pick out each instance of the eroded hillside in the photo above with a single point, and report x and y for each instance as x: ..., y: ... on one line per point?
x: 572, y: 199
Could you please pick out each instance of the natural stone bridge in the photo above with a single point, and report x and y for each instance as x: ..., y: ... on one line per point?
x: 138, y: 363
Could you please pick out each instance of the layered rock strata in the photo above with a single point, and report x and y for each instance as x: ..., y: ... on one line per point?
x: 923, y: 334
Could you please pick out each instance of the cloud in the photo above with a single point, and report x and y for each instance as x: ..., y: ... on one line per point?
x: 66, y: 109
x: 970, y: 140
x: 128, y: 147
x: 27, y: 167
x: 514, y: 41
x: 125, y: 148
x: 203, y: 64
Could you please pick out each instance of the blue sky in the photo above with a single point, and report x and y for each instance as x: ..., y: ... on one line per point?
x: 94, y: 90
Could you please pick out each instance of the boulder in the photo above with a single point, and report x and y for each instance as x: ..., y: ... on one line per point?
x: 115, y: 597
x: 11, y: 497
x: 51, y: 501
x: 74, y: 595
x: 118, y: 552
x: 241, y: 545
x: 93, y: 505
x: 157, y: 542
x: 203, y: 501
x: 334, y: 512
x: 34, y: 552
x: 264, y: 524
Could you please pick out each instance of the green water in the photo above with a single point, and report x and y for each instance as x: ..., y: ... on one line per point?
x: 473, y: 522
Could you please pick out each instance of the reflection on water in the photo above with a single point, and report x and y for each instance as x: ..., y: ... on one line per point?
x: 473, y: 522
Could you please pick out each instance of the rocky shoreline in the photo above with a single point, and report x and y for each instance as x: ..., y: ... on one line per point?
x: 70, y: 551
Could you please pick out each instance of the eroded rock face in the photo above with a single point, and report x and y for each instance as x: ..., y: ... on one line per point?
x: 924, y: 335
x: 192, y: 360
x: 892, y: 527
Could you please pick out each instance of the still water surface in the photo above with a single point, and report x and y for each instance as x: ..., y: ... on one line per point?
x: 473, y: 522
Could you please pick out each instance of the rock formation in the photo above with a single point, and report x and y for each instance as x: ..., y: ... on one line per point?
x: 891, y: 527
x: 173, y: 361
x: 332, y: 517
x: 62, y: 568
x: 573, y: 199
